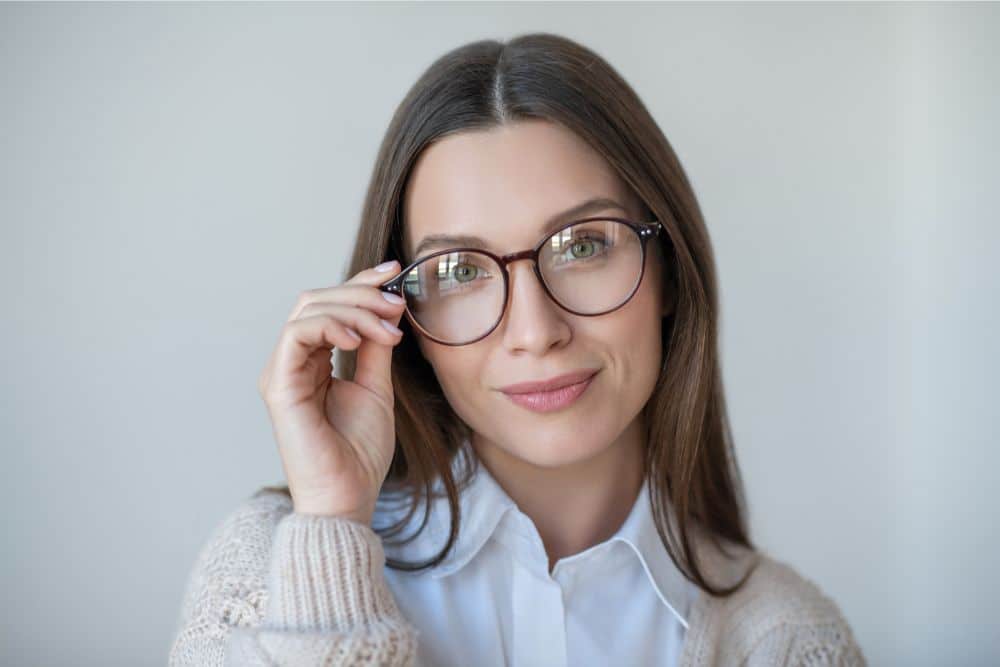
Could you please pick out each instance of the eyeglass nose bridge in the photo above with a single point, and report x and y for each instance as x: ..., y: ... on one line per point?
x: 507, y: 260
x: 514, y: 256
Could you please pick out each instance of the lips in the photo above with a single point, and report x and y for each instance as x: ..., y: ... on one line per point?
x: 550, y: 384
x: 553, y: 400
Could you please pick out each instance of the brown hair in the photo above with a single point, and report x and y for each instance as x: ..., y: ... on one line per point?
x: 689, y: 459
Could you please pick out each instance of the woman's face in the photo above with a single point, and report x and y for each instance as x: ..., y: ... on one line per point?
x: 501, y: 185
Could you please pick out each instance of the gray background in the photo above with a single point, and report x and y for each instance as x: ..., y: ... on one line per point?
x: 174, y: 175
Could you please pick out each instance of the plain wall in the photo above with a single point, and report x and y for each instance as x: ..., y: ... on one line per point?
x: 174, y: 175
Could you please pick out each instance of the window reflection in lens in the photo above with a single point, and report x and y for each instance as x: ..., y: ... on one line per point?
x: 456, y: 296
x: 592, y: 267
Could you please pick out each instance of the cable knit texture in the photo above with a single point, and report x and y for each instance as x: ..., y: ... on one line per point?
x: 274, y: 587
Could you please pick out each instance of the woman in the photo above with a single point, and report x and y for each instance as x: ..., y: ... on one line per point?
x: 536, y: 466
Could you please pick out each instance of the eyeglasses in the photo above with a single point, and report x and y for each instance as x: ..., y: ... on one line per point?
x: 587, y: 267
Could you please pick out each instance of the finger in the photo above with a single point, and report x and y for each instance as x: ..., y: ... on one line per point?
x: 366, y: 296
x: 372, y: 277
x: 361, y: 320
x: 302, y: 337
x: 376, y: 275
x: 374, y: 363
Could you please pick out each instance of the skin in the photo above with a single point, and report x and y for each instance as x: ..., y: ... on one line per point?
x: 501, y: 185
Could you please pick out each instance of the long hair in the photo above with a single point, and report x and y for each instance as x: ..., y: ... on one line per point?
x: 689, y: 460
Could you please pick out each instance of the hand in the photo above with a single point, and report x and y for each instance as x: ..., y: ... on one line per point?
x: 336, y: 437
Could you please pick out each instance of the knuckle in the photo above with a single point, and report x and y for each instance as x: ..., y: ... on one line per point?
x: 306, y: 309
x: 305, y: 297
x: 268, y: 399
x: 287, y: 334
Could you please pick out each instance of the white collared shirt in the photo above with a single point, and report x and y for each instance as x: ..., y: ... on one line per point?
x: 492, y: 601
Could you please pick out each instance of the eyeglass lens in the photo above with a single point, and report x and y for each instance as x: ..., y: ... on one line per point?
x: 589, y: 268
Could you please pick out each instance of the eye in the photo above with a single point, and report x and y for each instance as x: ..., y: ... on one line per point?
x: 584, y: 247
x: 464, y: 273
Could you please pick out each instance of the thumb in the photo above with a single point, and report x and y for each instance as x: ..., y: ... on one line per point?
x: 374, y: 364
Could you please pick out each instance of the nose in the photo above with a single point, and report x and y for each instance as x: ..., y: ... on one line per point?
x: 533, y: 323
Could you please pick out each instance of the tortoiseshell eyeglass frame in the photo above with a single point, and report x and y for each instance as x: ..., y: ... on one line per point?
x: 644, y: 230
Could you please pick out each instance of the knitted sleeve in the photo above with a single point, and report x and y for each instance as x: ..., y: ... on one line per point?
x: 794, y: 623
x: 274, y: 587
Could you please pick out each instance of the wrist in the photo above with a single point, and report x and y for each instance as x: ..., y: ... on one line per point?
x: 361, y: 516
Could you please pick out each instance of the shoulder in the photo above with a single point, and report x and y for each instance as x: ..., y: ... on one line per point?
x: 777, y: 593
x: 780, y: 614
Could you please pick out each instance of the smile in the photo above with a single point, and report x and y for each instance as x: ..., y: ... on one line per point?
x: 550, y: 401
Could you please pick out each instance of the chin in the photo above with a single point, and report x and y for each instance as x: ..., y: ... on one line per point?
x: 545, y: 449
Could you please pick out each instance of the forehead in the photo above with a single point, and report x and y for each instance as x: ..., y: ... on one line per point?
x: 503, y: 184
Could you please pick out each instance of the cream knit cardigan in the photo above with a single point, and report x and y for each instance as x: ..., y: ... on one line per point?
x: 274, y: 587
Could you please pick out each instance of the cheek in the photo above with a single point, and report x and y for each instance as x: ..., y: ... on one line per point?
x: 458, y: 371
x: 635, y: 335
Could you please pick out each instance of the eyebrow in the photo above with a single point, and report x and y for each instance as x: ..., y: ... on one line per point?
x: 590, y: 206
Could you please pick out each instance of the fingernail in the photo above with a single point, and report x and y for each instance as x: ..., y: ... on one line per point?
x: 385, y: 266
x: 352, y: 333
x: 389, y: 327
x: 393, y: 298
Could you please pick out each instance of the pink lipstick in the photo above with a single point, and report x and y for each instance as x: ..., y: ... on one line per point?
x: 550, y: 395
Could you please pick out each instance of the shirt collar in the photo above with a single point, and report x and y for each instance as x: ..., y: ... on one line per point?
x: 639, y: 532
x: 484, y: 503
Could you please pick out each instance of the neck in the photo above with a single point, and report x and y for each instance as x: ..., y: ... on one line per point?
x: 576, y: 506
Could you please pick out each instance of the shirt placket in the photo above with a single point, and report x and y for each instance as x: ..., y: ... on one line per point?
x: 538, y: 621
